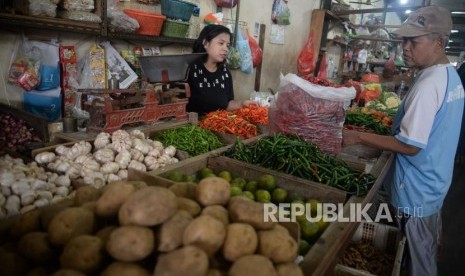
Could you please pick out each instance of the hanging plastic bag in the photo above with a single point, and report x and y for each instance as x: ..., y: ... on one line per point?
x: 226, y: 3
x: 306, y: 60
x: 257, y: 53
x: 234, y: 59
x: 323, y: 67
x: 280, y: 13
x: 246, y: 55
x: 25, y: 65
x: 49, y: 65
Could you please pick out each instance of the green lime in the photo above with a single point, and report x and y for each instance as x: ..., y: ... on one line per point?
x: 304, y: 246
x: 226, y: 175
x: 267, y: 182
x: 314, y: 205
x: 249, y: 195
x: 251, y: 186
x: 295, y: 197
x: 175, y: 176
x: 204, y: 172
x: 309, y: 231
x: 239, y: 182
x: 279, y: 195
x: 322, y: 225
x: 263, y: 196
x: 235, y: 191
x: 190, y: 178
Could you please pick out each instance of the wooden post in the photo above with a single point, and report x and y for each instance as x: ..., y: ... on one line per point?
x: 317, y: 26
x: 258, y: 70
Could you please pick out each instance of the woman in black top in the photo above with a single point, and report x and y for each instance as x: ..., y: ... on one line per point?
x: 209, y: 80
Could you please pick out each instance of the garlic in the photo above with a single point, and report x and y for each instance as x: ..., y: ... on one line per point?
x: 95, y: 179
x: 141, y: 146
x: 136, y: 155
x: 19, y: 187
x: 62, y: 166
x: 6, y: 191
x: 83, y: 158
x: 151, y: 163
x: 57, y: 198
x: 102, y: 140
x: 170, y: 151
x: 112, y: 178
x: 121, y: 140
x: 27, y: 208
x: 110, y: 167
x: 3, y: 213
x: 74, y: 170
x: 44, y: 194
x: 137, y: 165
x: 44, y: 157
x: 7, y: 178
x: 155, y: 153
x: 123, y: 158
x: 62, y: 191
x: 123, y: 174
x: 61, y: 150
x: 136, y: 133
x: 28, y: 197
x: 41, y: 202
x: 91, y: 164
x: 2, y: 199
x: 104, y: 155
x: 12, y: 205
x: 157, y: 144
x: 63, y: 180
x: 78, y: 149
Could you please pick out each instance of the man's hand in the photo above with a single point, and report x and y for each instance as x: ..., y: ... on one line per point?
x: 350, y: 137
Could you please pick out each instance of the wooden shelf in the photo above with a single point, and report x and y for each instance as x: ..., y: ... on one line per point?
x: 161, y: 39
x: 362, y: 37
x: 378, y: 10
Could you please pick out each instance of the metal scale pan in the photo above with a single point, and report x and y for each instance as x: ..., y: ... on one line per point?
x: 166, y: 68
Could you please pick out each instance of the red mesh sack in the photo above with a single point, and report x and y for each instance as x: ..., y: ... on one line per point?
x: 306, y: 60
x: 257, y: 53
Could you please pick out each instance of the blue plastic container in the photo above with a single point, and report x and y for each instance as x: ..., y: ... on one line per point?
x: 176, y: 9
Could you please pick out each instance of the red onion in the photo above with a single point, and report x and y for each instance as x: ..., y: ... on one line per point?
x: 15, y: 133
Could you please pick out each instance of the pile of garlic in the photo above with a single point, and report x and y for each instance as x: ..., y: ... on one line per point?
x: 109, y: 157
x: 25, y: 187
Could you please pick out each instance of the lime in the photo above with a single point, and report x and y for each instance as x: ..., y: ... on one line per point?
x: 304, y: 246
x: 251, y: 186
x: 249, y: 195
x: 314, y: 205
x: 279, y: 195
x: 267, y: 182
x: 235, y: 191
x: 226, y: 175
x: 295, y: 197
x: 175, y: 176
x: 204, y: 172
x: 263, y: 196
x: 239, y: 182
x: 322, y: 225
x: 309, y: 231
x: 190, y: 178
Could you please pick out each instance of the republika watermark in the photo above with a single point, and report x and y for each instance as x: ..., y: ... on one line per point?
x: 329, y: 212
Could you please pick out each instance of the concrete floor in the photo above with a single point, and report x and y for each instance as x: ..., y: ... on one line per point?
x: 452, y: 261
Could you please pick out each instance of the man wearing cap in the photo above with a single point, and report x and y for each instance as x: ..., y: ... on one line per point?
x: 425, y: 136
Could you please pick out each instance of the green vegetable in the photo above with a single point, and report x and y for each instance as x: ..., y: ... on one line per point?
x: 295, y: 156
x: 234, y: 59
x: 190, y: 138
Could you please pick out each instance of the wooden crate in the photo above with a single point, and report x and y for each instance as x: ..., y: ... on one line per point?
x: 38, y: 123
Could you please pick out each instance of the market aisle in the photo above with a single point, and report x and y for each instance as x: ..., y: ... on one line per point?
x: 453, y: 213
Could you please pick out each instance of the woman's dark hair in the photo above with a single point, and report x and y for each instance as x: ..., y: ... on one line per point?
x: 207, y: 34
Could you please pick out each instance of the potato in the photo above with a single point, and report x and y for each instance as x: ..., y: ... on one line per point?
x: 26, y: 223
x: 125, y: 269
x: 289, y: 269
x: 38, y: 271
x: 69, y: 223
x: 68, y: 272
x: 137, y: 184
x: 83, y: 253
x: 90, y: 205
x: 148, y: 206
x: 244, y: 210
x: 131, y: 243
x: 218, y: 212
x: 104, y: 233
x: 205, y: 232
x: 241, y: 239
x: 184, y: 189
x: 85, y: 194
x: 277, y: 245
x: 215, y: 272
x: 171, y: 232
x: 36, y: 247
x: 12, y: 264
x: 113, y: 196
x: 48, y: 212
x: 252, y: 265
x: 212, y: 191
x: 189, y: 260
x: 189, y: 205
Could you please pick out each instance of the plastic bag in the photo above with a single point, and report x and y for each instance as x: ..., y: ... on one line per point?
x: 315, y: 113
x: 49, y: 65
x: 25, y: 65
x: 280, y: 13
x: 323, y: 67
x: 44, y: 104
x: 42, y: 8
x: 226, y: 3
x: 81, y: 5
x: 306, y: 60
x: 257, y: 53
x: 118, y: 21
x: 80, y: 16
x: 246, y: 55
x: 234, y: 60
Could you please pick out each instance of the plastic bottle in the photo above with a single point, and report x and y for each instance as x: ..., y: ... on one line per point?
x: 400, y: 90
x: 194, y: 27
x: 330, y: 68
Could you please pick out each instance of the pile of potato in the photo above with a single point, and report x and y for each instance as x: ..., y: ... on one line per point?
x: 129, y: 228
